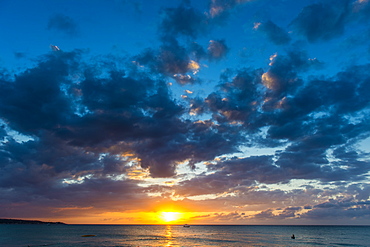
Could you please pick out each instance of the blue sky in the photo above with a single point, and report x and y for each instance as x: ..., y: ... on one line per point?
x: 229, y: 111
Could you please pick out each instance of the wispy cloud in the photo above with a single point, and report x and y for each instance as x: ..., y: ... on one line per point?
x: 64, y: 24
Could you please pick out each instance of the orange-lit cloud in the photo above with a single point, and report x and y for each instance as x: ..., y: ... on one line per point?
x: 269, y: 81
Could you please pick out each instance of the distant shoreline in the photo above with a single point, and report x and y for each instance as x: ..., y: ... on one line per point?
x: 33, y: 222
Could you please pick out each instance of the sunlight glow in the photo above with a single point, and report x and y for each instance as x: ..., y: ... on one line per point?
x: 170, y: 216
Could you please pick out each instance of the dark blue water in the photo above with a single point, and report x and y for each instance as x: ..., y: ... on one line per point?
x: 145, y: 235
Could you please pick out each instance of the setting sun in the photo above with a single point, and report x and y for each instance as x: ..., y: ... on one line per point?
x: 170, y: 216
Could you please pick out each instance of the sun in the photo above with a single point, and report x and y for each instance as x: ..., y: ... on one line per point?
x: 170, y: 216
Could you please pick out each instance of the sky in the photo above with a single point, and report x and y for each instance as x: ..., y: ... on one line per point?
x: 182, y: 111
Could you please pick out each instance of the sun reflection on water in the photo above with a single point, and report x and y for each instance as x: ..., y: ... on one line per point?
x: 169, y: 238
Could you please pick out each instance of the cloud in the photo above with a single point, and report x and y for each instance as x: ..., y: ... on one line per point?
x: 347, y: 210
x: 54, y: 178
x: 180, y: 62
x: 274, y: 33
x: 217, y: 49
x: 329, y: 19
x: 106, y: 113
x: 20, y: 55
x: 219, y: 9
x: 2, y: 132
x: 243, y: 95
x: 248, y: 170
x: 232, y: 175
x: 197, y: 51
x: 272, y: 204
x: 179, y: 54
x: 305, y: 131
x: 287, y: 213
x: 228, y: 217
x: 312, y: 140
x: 238, y: 104
x: 321, y: 21
x: 360, y: 11
x: 64, y: 24
x: 93, y: 196
x: 36, y: 95
x: 187, y: 21
x: 182, y: 21
x: 171, y: 60
x: 343, y: 210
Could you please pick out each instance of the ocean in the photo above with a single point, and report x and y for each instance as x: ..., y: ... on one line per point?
x: 177, y: 235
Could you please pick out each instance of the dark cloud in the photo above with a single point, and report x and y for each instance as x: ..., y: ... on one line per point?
x: 251, y: 169
x: 158, y: 148
x: 179, y: 54
x: 106, y: 111
x: 239, y: 103
x: 182, y: 21
x: 312, y: 140
x: 310, y: 117
x: 180, y: 62
x: 55, y: 179
x: 206, y: 184
x: 345, y: 210
x: 282, y: 77
x: 2, y: 132
x: 197, y: 51
x: 231, y: 174
x: 266, y: 214
x: 64, y: 24
x: 36, y: 95
x: 328, y: 20
x: 49, y: 160
x: 20, y: 55
x: 217, y: 49
x: 91, y: 196
x: 287, y: 213
x: 322, y: 21
x: 228, y: 217
x: 248, y: 90
x: 339, y: 211
x: 274, y: 33
x: 171, y: 60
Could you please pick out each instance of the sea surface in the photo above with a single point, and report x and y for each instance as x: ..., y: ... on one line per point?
x: 177, y: 235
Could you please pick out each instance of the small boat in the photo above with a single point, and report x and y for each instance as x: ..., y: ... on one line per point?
x: 186, y: 225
